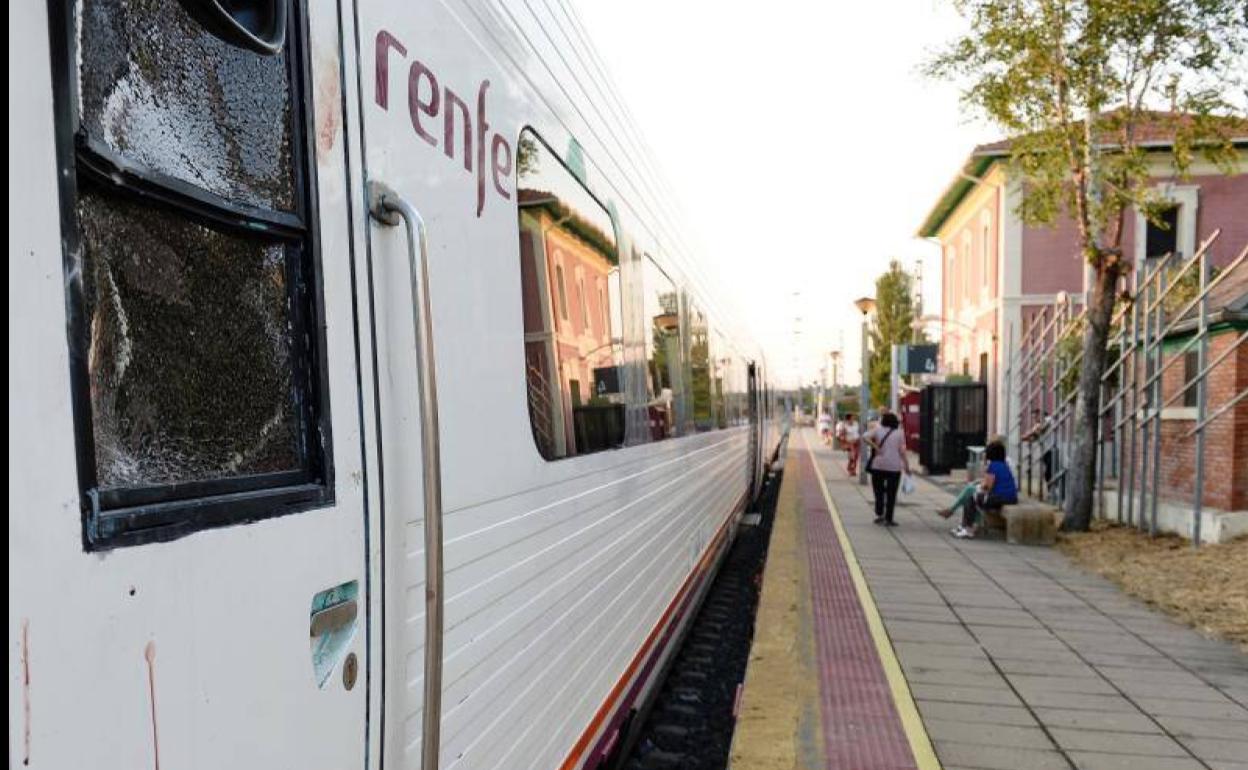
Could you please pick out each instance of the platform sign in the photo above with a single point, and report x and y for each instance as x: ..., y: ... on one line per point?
x: 918, y: 359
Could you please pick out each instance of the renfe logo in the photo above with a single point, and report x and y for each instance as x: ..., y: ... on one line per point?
x: 425, y: 99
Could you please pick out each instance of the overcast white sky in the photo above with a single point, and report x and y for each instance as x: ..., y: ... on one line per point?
x: 803, y: 144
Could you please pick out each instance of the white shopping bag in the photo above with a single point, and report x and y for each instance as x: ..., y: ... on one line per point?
x: 907, y: 484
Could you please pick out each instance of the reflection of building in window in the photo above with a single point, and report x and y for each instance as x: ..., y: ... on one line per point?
x: 575, y: 393
x: 663, y: 359
x: 702, y: 374
x: 584, y: 307
x: 563, y: 293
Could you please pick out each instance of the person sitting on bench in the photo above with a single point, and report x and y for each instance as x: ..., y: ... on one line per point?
x: 996, y: 490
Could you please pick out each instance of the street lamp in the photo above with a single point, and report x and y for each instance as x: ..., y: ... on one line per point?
x: 865, y: 306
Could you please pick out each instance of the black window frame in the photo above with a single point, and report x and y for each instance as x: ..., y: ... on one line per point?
x: 139, y: 515
x: 1168, y: 235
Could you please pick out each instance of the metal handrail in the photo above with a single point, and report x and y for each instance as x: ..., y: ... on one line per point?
x: 389, y: 208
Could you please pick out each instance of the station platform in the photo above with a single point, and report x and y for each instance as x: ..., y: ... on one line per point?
x: 905, y: 648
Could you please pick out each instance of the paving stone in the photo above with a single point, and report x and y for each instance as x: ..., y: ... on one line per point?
x: 1089, y: 685
x: 941, y: 649
x: 1094, y: 720
x: 998, y: 757
x: 912, y: 631
x: 925, y: 662
x: 999, y: 695
x: 1192, y: 708
x: 954, y: 677
x: 1219, y: 748
x: 1149, y: 689
x: 1080, y: 701
x: 1190, y: 727
x: 1151, y: 745
x: 984, y: 734
x: 1011, y: 665
x: 1087, y: 760
x: 971, y: 712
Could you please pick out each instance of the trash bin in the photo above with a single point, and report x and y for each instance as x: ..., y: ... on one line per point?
x: 974, y: 462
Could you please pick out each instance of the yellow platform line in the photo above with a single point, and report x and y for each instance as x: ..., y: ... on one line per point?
x: 911, y: 722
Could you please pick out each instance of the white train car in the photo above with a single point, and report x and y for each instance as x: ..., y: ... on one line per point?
x: 301, y: 294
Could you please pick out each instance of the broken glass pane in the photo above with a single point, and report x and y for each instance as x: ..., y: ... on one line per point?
x: 161, y: 92
x: 189, y: 348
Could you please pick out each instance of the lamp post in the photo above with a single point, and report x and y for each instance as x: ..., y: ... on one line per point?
x: 865, y: 305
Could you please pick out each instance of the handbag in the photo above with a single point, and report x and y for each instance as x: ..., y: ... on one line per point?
x: 871, y: 459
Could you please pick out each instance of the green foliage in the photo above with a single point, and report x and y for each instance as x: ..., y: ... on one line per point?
x: 1186, y: 287
x: 1077, y: 81
x: 1068, y: 363
x: 893, y: 324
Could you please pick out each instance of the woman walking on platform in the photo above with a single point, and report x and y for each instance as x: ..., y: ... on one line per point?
x: 888, y: 461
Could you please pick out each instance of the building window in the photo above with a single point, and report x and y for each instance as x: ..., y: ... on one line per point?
x: 1191, y: 368
x: 983, y: 367
x: 664, y: 362
x: 575, y: 383
x: 196, y: 354
x: 1161, y: 238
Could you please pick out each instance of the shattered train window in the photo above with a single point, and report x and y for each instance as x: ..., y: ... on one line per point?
x: 194, y: 334
x: 163, y: 95
x: 189, y: 349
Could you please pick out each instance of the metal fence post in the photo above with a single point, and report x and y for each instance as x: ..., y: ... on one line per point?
x: 1202, y: 396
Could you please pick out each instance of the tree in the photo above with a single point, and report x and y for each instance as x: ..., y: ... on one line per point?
x: 1079, y: 84
x: 893, y: 325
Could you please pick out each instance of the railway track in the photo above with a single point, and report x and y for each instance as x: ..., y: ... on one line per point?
x: 691, y: 722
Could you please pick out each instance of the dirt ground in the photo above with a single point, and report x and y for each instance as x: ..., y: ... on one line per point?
x: 1205, y: 587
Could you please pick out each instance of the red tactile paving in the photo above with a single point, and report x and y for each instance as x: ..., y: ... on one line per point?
x: 861, y: 727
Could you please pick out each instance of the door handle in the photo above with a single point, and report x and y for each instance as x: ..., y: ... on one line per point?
x: 389, y: 208
x: 333, y: 618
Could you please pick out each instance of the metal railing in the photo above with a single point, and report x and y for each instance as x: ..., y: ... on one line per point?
x: 1163, y: 315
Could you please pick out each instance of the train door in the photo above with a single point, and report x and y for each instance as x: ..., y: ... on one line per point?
x: 756, y: 462
x: 440, y: 182
x: 186, y: 492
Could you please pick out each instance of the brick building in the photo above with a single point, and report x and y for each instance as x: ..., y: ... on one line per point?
x: 998, y: 273
x: 1226, y: 437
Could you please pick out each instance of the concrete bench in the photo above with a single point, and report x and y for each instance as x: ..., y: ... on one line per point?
x: 1031, y: 523
x: 1027, y: 523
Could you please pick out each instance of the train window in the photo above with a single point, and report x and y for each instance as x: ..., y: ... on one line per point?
x: 661, y: 308
x: 575, y: 383
x: 199, y: 396
x: 159, y: 93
